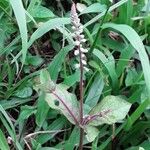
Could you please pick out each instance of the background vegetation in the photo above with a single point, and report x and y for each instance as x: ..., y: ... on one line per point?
x: 35, y: 34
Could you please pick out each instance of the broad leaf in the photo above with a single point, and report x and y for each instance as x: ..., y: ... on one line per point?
x: 91, y: 133
x: 65, y: 102
x: 95, y: 92
x: 41, y: 12
x: 110, y: 110
x: 24, y: 93
x: 58, y: 97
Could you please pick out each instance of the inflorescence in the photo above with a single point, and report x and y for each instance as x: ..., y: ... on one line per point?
x: 79, y: 39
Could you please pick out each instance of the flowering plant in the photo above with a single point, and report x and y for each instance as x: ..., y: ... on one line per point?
x: 110, y: 110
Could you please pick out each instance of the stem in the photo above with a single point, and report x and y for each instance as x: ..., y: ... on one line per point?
x: 81, y: 100
x: 81, y: 139
x: 67, y: 108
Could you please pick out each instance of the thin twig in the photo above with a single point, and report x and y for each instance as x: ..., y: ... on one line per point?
x: 42, y: 132
x: 27, y: 145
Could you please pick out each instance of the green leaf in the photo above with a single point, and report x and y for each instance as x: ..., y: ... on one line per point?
x: 24, y: 93
x: 10, y: 103
x: 72, y: 79
x: 56, y: 125
x: 44, y: 77
x: 47, y: 26
x: 6, y: 121
x: 95, y: 92
x: 110, y: 110
x: 109, y: 64
x: 41, y: 113
x: 3, y: 141
x: 34, y: 60
x: 91, y: 133
x: 136, y: 114
x: 26, y: 112
x: 56, y: 64
x: 136, y: 42
x: 21, y: 20
x: 73, y: 139
x: 94, y: 8
x: 60, y: 99
x: 41, y: 12
x: 124, y: 59
x: 44, y: 28
x: 96, y: 18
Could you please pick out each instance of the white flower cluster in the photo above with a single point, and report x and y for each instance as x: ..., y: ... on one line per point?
x: 79, y: 38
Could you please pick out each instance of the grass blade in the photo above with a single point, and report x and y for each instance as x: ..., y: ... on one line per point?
x: 136, y: 42
x: 47, y: 26
x: 96, y: 18
x: 21, y: 20
x: 56, y: 64
x: 3, y: 141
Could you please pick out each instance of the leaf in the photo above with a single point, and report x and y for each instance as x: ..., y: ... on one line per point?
x: 60, y: 99
x: 56, y: 125
x: 44, y: 82
x: 41, y: 12
x: 110, y: 110
x: 96, y: 18
x: 73, y: 139
x: 72, y: 79
x: 94, y: 8
x: 109, y: 64
x: 41, y: 113
x: 80, y: 7
x: 26, y: 112
x: 34, y: 60
x: 124, y: 59
x: 44, y: 28
x: 133, y: 77
x: 3, y: 141
x: 44, y: 77
x: 136, y: 114
x: 6, y: 121
x: 136, y: 42
x: 24, y: 93
x: 95, y: 92
x: 55, y: 65
x: 21, y: 20
x: 47, y: 26
x: 126, y: 13
x: 13, y: 102
x: 91, y: 133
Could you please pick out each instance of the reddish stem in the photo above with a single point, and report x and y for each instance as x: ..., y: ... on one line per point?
x: 81, y: 99
x: 67, y: 108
